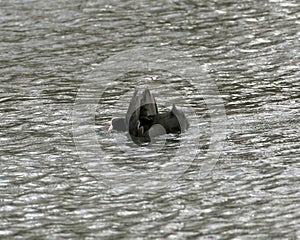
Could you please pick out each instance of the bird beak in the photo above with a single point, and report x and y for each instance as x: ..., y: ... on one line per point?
x: 110, y: 126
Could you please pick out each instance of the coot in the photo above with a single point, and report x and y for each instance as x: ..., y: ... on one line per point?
x: 143, y: 121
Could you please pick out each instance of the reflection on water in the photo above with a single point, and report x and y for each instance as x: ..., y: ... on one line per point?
x: 250, y: 49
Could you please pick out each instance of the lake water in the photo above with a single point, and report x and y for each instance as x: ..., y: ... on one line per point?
x: 68, y: 67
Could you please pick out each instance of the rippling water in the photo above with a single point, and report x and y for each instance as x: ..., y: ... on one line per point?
x: 50, y: 187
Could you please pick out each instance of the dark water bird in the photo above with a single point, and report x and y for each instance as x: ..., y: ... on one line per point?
x: 143, y: 121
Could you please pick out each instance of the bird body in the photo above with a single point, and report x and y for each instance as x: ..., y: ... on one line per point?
x: 143, y: 121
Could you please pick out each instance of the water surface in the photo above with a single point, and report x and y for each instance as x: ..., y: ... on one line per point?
x: 250, y: 50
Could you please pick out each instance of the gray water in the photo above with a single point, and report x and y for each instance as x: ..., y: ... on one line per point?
x: 55, y: 179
